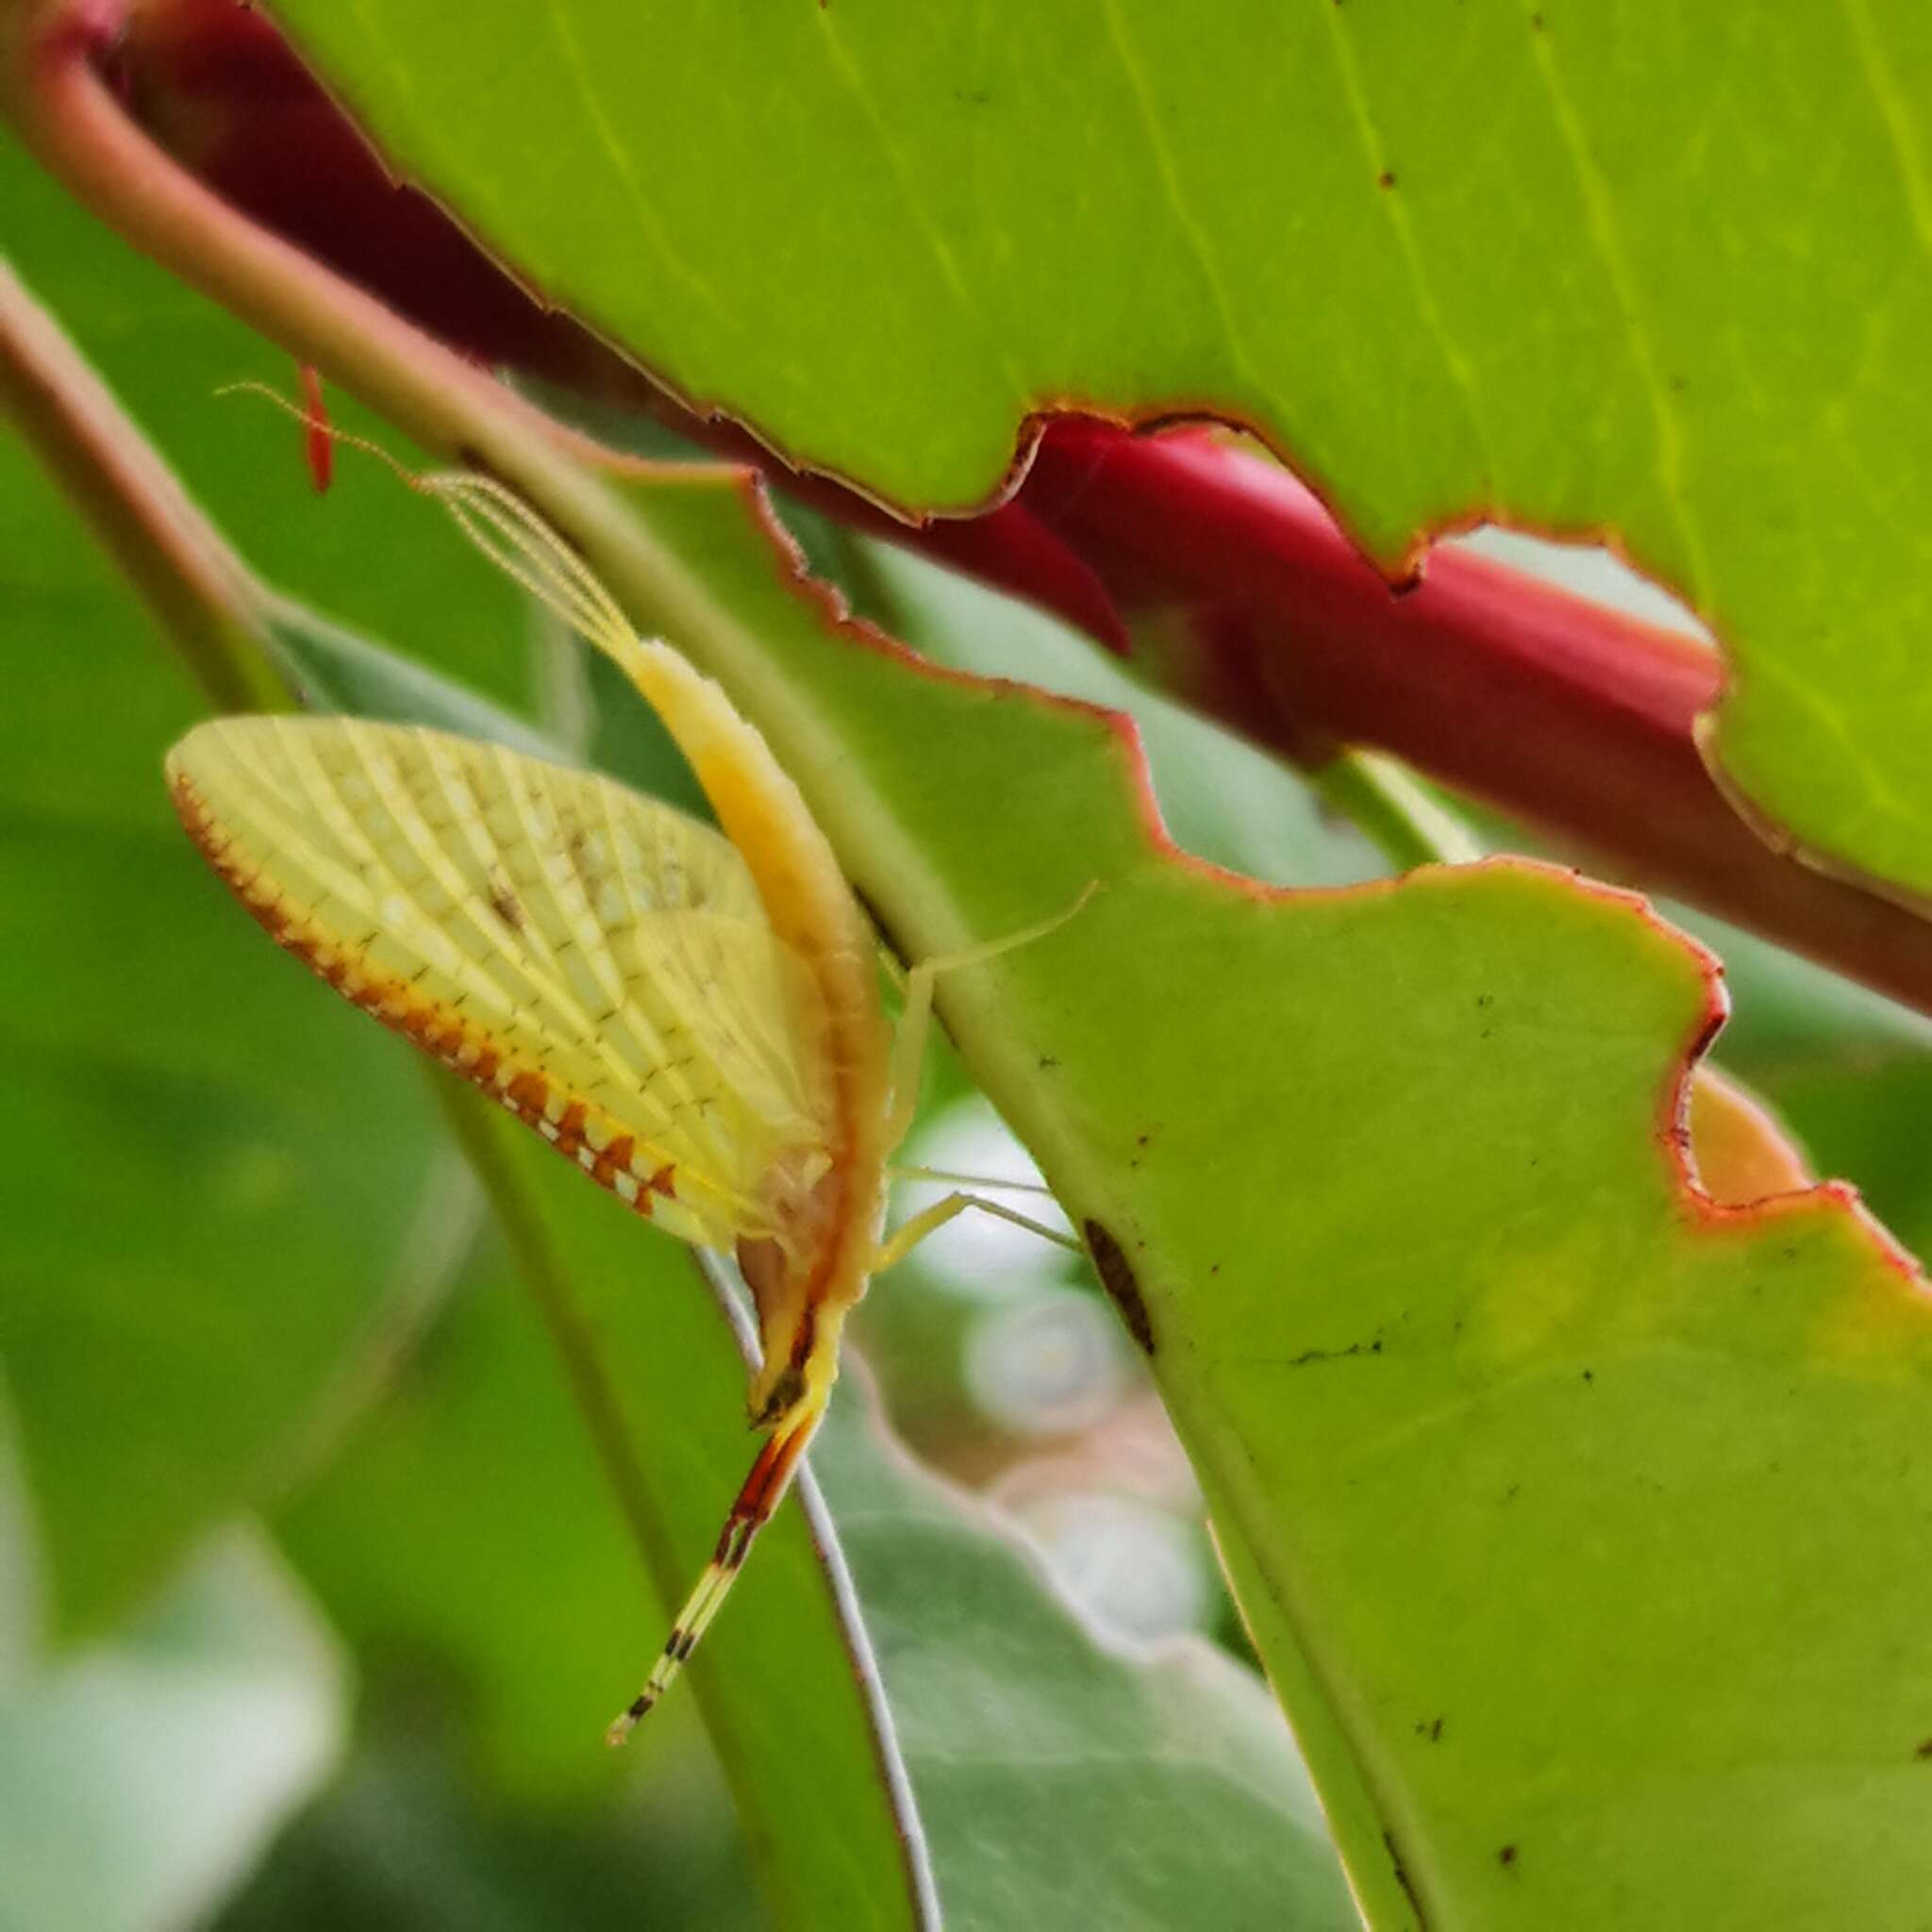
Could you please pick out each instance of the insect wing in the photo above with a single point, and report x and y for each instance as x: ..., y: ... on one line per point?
x: 599, y: 962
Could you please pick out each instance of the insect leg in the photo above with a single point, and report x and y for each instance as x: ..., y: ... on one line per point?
x: 909, y: 1052
x: 909, y: 1235
x: 764, y: 1489
x: 908, y: 1171
x: 915, y: 1019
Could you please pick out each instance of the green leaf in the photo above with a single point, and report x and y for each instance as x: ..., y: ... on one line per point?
x: 1220, y: 798
x: 140, y: 1776
x: 209, y: 1173
x: 1848, y: 1070
x: 1494, y: 258
x: 1064, y: 1780
x: 1017, y: 1722
x: 1383, y: 1180
x: 337, y: 670
x: 408, y: 1841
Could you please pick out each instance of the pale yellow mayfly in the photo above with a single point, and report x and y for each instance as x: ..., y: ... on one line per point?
x: 691, y: 1017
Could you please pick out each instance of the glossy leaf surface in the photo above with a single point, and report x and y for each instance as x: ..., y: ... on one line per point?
x: 1662, y: 277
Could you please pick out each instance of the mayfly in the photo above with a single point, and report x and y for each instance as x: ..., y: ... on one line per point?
x: 691, y: 1016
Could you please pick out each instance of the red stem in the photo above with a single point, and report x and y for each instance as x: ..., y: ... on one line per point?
x: 1571, y: 715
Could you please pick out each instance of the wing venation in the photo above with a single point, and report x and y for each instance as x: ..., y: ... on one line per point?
x: 601, y: 962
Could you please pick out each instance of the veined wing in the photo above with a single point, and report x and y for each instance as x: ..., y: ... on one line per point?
x: 599, y: 962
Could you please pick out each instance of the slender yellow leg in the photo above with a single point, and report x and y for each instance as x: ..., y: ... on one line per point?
x: 915, y: 1019
x: 909, y: 1235
x: 909, y: 1052
x: 909, y: 1170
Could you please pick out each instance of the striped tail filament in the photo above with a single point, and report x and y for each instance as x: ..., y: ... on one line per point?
x: 763, y: 1490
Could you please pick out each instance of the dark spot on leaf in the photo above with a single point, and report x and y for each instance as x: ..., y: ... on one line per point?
x: 1589, y: 1375
x: 1924, y: 1749
x: 1386, y: 178
x: 1117, y: 1278
x: 507, y: 907
x: 1047, y: 1063
x: 1373, y: 1346
x: 1507, y: 1855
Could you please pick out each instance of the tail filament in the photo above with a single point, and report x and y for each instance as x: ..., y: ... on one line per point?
x: 764, y: 1489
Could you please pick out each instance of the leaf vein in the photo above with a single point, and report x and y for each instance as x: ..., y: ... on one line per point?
x: 1192, y: 229
x: 621, y: 163
x: 1461, y: 373
x: 1600, y: 225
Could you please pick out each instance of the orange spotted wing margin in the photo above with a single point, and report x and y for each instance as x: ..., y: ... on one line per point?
x: 461, y: 1045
